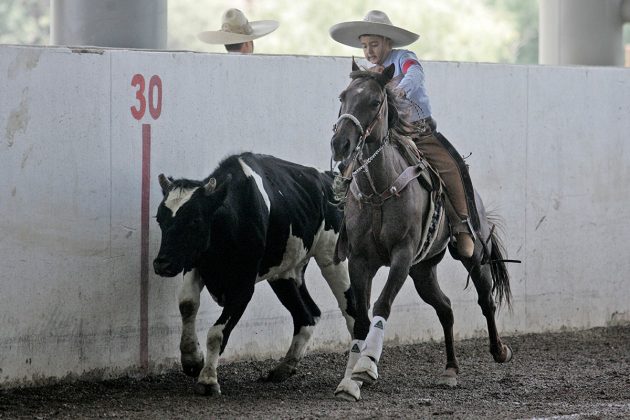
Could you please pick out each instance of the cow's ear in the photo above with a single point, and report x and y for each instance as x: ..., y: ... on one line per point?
x: 219, y: 190
x: 388, y: 72
x: 355, y: 67
x: 165, y: 183
x: 210, y: 186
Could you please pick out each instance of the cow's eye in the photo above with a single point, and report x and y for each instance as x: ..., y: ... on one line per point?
x: 196, y: 221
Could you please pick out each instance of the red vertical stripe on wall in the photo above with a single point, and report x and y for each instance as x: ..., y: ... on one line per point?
x: 144, y: 246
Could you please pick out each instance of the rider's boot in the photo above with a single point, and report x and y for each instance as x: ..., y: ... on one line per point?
x: 461, y: 210
x: 461, y: 230
x: 464, y: 239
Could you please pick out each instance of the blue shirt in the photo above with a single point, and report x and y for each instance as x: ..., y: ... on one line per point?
x: 408, y: 67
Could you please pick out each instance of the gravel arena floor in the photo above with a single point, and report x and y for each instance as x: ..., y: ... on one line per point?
x: 567, y: 375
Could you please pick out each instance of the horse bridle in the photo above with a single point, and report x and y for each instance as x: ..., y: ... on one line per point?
x: 355, y: 155
x: 364, y: 134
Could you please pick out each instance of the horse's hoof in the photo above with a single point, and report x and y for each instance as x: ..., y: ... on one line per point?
x: 212, y: 390
x: 192, y: 365
x: 448, y: 378
x: 281, y: 373
x: 348, y: 390
x: 508, y: 353
x: 505, y: 355
x: 365, y: 371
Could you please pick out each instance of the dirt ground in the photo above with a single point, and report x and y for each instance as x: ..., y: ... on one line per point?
x: 573, y: 375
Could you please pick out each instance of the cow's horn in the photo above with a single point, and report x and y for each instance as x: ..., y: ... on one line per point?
x: 211, y: 185
x: 164, y: 182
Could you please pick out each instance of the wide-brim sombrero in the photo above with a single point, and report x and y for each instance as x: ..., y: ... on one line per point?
x: 235, y: 29
x: 374, y: 23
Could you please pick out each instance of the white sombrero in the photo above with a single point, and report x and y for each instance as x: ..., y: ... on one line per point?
x: 374, y: 23
x: 236, y: 29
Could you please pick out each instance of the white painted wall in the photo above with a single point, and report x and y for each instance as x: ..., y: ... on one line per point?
x: 549, y: 152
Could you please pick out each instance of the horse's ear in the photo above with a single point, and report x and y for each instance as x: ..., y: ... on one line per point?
x: 355, y: 67
x: 165, y: 183
x: 388, y: 73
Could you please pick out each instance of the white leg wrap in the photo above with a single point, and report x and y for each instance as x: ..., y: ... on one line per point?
x: 374, y: 339
x: 355, y: 353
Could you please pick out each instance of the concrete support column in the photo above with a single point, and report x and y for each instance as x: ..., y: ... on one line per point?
x: 583, y: 32
x: 109, y: 23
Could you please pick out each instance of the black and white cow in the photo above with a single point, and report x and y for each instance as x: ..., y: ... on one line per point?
x: 255, y: 218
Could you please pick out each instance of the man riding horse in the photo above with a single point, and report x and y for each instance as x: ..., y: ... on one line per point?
x: 377, y: 36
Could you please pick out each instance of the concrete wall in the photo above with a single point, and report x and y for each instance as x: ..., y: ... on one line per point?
x: 549, y: 152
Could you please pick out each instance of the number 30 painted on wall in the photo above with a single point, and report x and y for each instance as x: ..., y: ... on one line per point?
x: 155, y: 104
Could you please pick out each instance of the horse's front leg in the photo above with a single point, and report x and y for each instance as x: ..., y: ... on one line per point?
x: 361, y: 274
x: 366, y: 367
x: 218, y: 334
x: 191, y: 355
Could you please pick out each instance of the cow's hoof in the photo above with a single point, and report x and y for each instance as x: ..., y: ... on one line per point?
x: 192, y: 365
x: 282, y: 372
x: 365, y: 371
x: 348, y: 390
x: 448, y: 378
x: 212, y: 390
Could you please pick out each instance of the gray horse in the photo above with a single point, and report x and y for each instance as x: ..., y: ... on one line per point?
x: 392, y: 220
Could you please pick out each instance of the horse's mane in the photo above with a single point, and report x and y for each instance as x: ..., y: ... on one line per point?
x: 401, y: 129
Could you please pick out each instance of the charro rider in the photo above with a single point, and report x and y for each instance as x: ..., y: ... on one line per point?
x: 237, y: 33
x: 376, y: 35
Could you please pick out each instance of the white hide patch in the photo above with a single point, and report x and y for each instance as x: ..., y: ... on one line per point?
x: 248, y: 171
x: 299, y: 342
x: 294, y: 258
x: 208, y: 374
x: 178, y: 197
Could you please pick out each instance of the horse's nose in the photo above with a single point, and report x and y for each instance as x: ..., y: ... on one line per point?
x: 340, y: 147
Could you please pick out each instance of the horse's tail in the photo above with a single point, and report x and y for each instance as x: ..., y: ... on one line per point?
x: 500, y: 275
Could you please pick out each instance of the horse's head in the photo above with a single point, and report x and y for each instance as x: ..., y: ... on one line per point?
x: 363, y: 112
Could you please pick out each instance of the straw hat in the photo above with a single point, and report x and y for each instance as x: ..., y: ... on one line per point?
x: 236, y: 29
x: 374, y: 23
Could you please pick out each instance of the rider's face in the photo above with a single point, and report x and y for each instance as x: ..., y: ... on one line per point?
x: 375, y: 48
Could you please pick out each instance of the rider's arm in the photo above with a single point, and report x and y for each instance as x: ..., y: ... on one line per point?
x: 413, y: 85
x: 413, y: 73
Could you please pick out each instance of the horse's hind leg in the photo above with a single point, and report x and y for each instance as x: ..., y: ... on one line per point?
x: 305, y: 313
x: 482, y: 279
x: 424, y: 277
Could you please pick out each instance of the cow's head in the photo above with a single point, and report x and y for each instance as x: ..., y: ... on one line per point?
x: 184, y: 216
